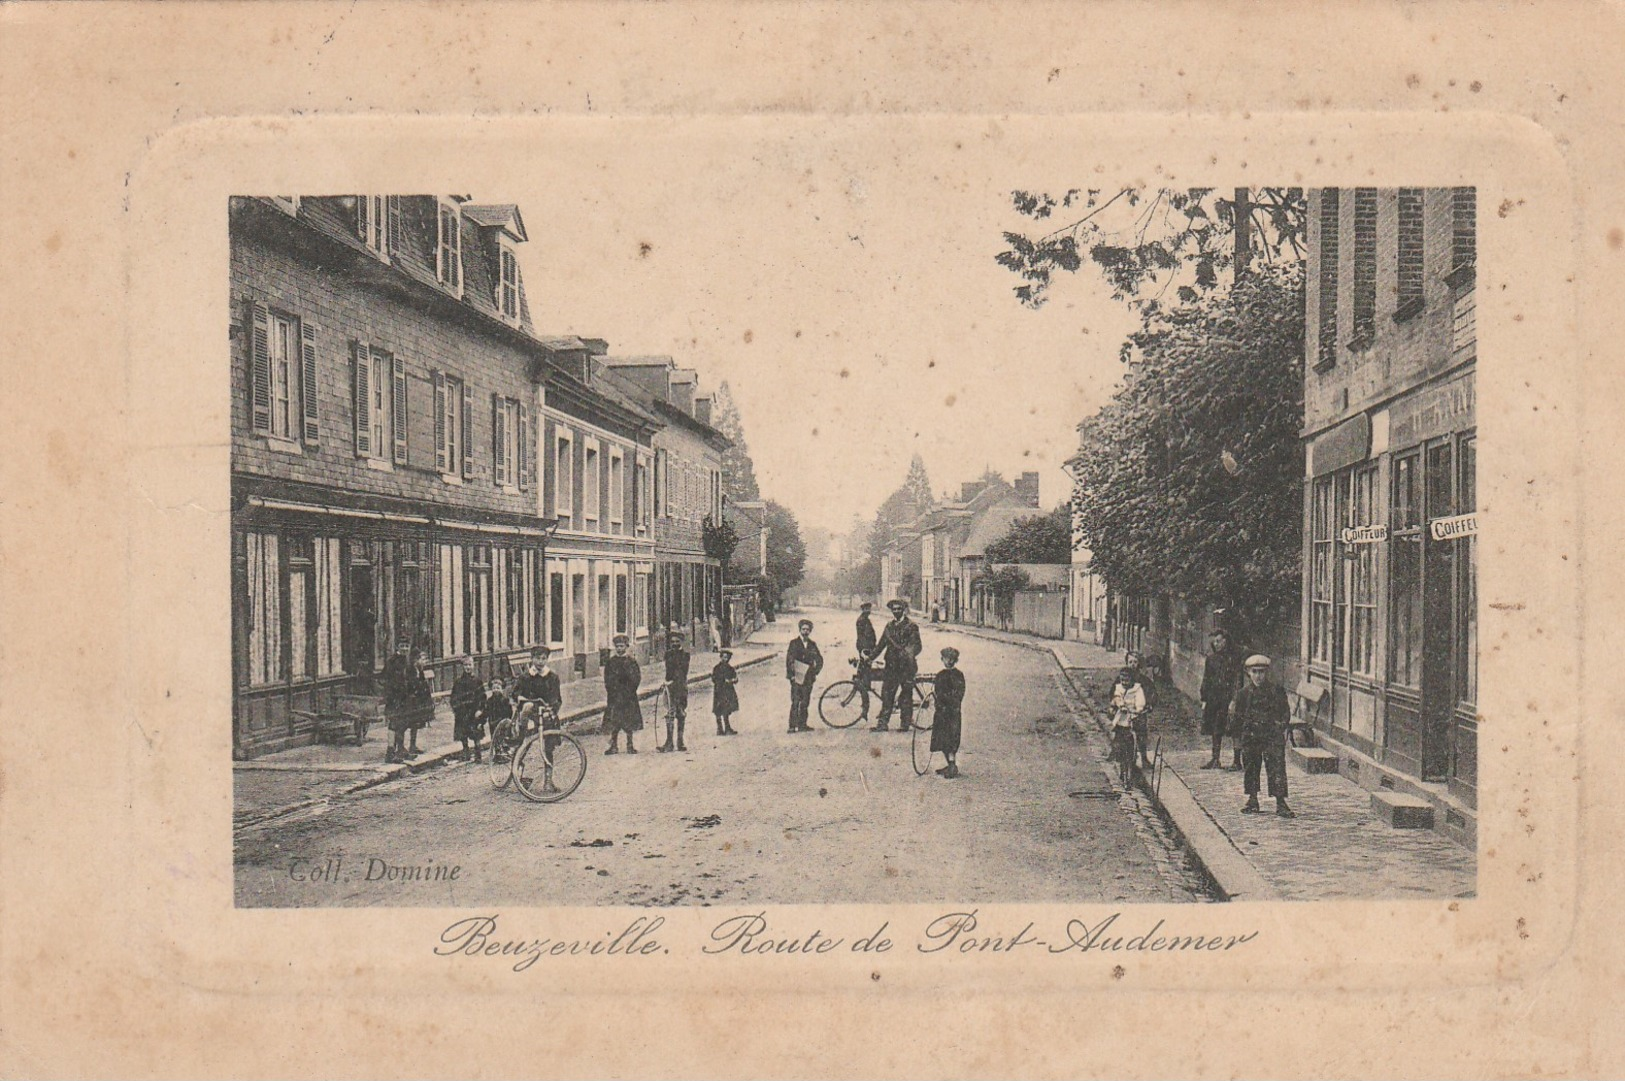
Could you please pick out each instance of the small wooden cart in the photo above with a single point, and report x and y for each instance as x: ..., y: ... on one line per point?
x: 346, y: 718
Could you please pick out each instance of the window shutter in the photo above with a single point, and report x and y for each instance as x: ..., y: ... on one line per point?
x: 363, y: 211
x: 392, y: 204
x: 399, y: 419
x: 522, y: 444
x: 307, y: 382
x: 259, y: 363
x: 499, y: 467
x: 363, y: 400
x: 440, y: 461
x: 468, y: 431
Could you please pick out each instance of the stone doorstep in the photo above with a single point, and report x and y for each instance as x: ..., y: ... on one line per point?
x: 1452, y: 818
x: 1312, y: 759
x: 1402, y: 812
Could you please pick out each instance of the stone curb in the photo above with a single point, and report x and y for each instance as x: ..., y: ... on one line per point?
x: 1230, y: 870
x: 440, y: 755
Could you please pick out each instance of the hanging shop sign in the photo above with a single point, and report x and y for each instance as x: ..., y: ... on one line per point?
x: 1460, y: 525
x: 1365, y: 534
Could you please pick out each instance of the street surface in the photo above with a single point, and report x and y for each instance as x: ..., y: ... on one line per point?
x: 764, y: 817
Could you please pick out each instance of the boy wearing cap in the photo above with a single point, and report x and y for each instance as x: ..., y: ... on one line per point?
x: 900, y: 642
x: 1262, y: 714
x: 802, y: 660
x: 724, y: 695
x: 467, y: 696
x: 677, y: 659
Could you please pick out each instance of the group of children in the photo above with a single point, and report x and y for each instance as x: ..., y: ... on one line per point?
x: 536, y: 698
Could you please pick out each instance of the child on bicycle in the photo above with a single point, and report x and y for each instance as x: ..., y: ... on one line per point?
x: 540, y: 701
x: 1128, y: 719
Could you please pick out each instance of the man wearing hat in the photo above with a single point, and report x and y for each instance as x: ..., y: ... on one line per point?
x: 900, y: 643
x: 1262, y: 715
x: 866, y: 649
x: 802, y: 663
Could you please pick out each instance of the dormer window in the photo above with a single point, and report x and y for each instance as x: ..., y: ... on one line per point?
x: 375, y: 222
x: 508, y: 284
x: 449, y: 248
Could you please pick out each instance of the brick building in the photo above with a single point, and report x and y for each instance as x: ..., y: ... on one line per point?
x: 1390, y: 530
x: 382, y: 449
x: 597, y: 484
x: 687, y: 487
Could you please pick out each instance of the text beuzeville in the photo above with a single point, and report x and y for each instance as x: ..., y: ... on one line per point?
x: 752, y: 934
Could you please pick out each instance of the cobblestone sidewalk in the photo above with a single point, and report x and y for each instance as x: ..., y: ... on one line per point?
x: 277, y: 784
x: 1336, y: 848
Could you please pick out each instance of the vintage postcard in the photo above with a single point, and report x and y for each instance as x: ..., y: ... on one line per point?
x: 672, y: 561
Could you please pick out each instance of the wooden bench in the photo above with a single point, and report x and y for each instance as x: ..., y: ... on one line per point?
x: 1311, y: 698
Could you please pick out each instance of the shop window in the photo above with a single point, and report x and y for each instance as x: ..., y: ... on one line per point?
x: 1467, y: 570
x: 1322, y: 581
x: 1361, y: 561
x: 301, y: 588
x: 1405, y: 573
x: 477, y: 598
x: 264, y: 615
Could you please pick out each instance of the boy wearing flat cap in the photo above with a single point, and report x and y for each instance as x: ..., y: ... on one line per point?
x: 1262, y: 714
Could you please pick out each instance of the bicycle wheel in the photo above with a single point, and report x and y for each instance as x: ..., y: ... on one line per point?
x: 549, y: 777
x: 922, y: 750
x: 504, y: 741
x: 842, y: 704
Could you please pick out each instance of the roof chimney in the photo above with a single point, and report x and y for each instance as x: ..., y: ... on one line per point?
x: 1027, y: 489
x: 702, y: 410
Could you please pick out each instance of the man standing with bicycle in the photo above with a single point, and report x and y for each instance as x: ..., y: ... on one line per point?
x: 900, y: 645
x: 866, y: 651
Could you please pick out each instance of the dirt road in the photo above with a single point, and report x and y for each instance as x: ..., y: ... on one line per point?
x: 764, y: 817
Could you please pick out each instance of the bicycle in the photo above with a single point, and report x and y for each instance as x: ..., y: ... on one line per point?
x: 846, y: 702
x: 546, y: 764
x: 1125, y: 752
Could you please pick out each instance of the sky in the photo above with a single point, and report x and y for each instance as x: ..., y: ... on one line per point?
x: 840, y: 277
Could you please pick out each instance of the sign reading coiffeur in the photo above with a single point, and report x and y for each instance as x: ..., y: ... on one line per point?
x: 1365, y: 534
x: 1460, y: 525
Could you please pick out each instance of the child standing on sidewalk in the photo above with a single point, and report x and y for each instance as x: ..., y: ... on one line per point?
x: 1128, y: 702
x: 467, y: 696
x: 724, y: 696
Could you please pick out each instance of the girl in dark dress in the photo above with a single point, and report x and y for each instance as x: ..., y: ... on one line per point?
x: 949, y: 697
x: 467, y: 696
x: 622, y: 674
x: 724, y: 696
